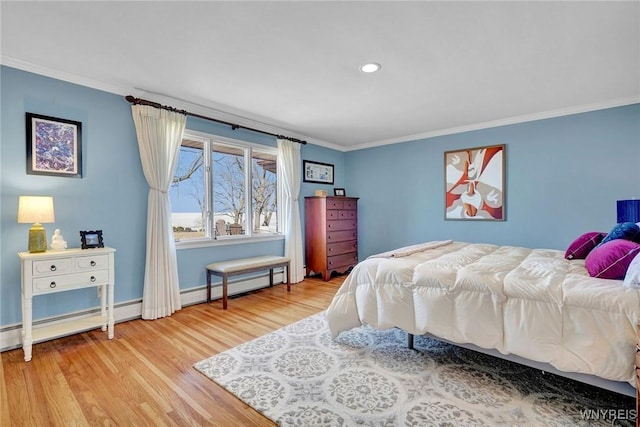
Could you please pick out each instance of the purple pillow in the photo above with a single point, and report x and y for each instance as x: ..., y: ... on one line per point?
x: 610, y: 260
x: 580, y: 248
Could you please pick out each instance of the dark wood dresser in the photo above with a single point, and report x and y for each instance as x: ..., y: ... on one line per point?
x: 331, y: 227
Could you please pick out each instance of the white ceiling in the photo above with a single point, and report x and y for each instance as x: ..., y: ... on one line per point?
x: 294, y: 66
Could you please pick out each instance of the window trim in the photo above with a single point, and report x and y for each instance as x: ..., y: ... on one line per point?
x: 208, y: 139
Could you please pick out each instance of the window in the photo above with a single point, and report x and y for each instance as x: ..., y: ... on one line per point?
x: 224, y: 189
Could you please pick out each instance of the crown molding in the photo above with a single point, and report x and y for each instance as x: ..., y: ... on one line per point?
x: 244, y: 119
x: 503, y: 122
x: 67, y: 77
x: 217, y: 112
x: 205, y: 110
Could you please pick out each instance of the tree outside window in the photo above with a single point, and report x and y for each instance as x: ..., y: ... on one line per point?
x: 210, y: 194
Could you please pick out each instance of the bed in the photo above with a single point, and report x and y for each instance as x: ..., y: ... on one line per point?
x: 529, y: 304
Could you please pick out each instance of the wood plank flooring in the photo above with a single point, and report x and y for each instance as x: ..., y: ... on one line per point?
x: 144, y: 376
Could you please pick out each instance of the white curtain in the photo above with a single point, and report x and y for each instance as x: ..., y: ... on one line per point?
x: 159, y: 137
x: 291, y: 170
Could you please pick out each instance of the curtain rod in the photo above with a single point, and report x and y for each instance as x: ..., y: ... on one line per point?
x: 234, y: 126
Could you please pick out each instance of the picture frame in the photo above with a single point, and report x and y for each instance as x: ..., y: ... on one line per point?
x: 474, y: 180
x: 339, y: 192
x: 320, y: 173
x: 91, y: 239
x: 54, y: 146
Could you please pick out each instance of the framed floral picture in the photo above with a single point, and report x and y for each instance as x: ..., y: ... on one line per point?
x: 54, y: 146
x: 475, y: 184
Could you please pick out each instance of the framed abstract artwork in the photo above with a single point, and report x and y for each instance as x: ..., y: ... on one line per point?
x: 475, y: 184
x: 54, y: 146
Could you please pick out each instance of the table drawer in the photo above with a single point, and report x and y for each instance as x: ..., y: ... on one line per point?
x: 52, y: 266
x: 342, y: 247
x: 51, y: 283
x: 92, y: 262
x: 342, y: 260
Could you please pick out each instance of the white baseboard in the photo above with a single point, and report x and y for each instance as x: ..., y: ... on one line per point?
x: 11, y: 335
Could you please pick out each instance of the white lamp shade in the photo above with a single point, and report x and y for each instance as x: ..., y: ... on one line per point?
x: 33, y: 209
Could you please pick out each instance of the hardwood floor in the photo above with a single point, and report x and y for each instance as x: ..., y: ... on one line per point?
x: 144, y: 376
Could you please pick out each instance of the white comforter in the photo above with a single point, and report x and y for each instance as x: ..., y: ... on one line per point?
x: 529, y: 302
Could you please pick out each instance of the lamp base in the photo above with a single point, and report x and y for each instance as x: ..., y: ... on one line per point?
x: 37, y: 238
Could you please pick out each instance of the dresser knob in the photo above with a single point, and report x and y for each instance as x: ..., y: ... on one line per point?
x: 52, y: 285
x: 93, y: 263
x: 53, y: 268
x: 93, y: 278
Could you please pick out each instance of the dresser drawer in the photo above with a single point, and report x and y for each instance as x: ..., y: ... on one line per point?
x: 342, y: 214
x: 350, y: 204
x: 347, y: 224
x: 335, y: 204
x: 342, y: 260
x: 52, y: 266
x: 349, y: 213
x: 92, y: 262
x: 342, y: 247
x: 51, y: 283
x: 339, y: 236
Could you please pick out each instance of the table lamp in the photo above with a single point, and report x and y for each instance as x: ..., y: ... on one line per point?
x: 36, y: 210
x: 628, y: 210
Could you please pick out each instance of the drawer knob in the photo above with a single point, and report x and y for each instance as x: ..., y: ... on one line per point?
x: 53, y: 267
x: 52, y: 285
x: 93, y: 263
x: 93, y: 278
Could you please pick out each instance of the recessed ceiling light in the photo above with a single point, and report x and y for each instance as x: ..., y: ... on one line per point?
x: 371, y: 67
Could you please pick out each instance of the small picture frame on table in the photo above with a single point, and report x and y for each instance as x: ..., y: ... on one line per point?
x: 340, y: 192
x: 91, y: 239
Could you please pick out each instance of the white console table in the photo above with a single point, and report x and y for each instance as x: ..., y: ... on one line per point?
x: 61, y: 271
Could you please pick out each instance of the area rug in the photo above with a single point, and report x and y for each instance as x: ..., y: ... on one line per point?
x: 299, y: 376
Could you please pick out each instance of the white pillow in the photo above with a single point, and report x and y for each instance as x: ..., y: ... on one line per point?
x: 632, y: 278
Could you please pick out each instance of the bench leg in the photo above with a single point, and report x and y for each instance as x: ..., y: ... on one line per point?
x: 224, y: 291
x: 270, y: 277
x: 208, y: 286
x: 288, y: 277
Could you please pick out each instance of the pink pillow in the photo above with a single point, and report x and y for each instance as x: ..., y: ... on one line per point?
x: 611, y: 259
x: 580, y: 248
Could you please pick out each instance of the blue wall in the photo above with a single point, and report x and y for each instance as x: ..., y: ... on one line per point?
x: 111, y: 196
x: 563, y: 177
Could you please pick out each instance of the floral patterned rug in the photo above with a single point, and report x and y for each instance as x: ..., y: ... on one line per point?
x: 299, y: 376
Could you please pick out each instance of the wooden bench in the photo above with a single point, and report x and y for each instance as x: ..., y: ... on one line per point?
x: 236, y: 267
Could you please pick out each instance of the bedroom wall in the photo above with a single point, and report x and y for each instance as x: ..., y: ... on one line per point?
x: 563, y: 177
x: 112, y: 195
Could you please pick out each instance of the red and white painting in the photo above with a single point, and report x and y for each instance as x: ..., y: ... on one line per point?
x: 474, y: 183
